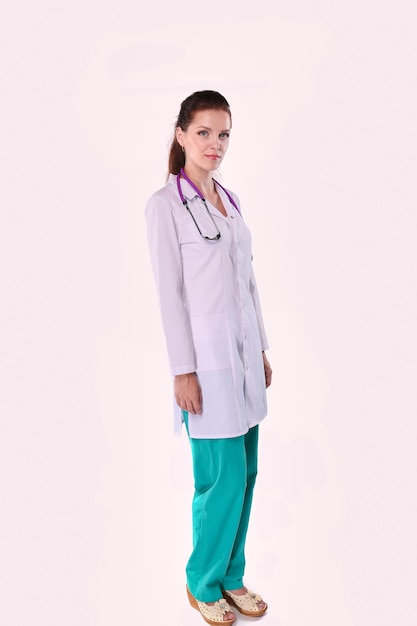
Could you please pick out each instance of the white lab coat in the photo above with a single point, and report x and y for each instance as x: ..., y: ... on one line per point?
x: 210, y: 310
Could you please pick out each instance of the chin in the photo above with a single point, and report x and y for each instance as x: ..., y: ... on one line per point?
x: 212, y: 166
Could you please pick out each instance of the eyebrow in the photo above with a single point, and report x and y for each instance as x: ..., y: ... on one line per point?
x: 227, y: 130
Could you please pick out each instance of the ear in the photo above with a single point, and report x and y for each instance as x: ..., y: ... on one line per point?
x: 179, y: 135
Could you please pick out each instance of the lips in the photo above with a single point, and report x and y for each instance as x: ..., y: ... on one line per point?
x: 213, y: 156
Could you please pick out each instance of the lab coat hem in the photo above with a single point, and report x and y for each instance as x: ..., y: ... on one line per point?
x: 239, y: 433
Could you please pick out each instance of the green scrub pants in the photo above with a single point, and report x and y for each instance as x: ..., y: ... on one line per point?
x: 224, y: 477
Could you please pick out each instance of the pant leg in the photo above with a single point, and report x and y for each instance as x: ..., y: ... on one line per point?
x: 234, y: 575
x: 220, y: 485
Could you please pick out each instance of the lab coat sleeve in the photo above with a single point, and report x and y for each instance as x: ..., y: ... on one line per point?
x: 255, y: 298
x: 166, y: 263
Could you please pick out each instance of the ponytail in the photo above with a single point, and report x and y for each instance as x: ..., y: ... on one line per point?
x: 176, y: 159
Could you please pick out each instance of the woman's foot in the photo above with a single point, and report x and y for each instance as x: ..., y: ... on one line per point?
x: 213, y: 612
x: 246, y: 601
x: 228, y: 616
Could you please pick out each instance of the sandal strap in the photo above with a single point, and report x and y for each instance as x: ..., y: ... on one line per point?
x: 215, y: 611
x: 248, y: 601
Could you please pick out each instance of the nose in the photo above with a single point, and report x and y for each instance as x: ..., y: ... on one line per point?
x: 215, y: 142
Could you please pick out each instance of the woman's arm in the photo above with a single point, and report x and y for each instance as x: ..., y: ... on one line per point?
x: 264, y: 341
x: 167, y: 268
x: 166, y: 263
x: 256, y: 303
x: 268, y: 371
x: 255, y: 298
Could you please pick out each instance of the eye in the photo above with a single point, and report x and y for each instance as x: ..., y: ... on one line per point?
x: 224, y: 135
x: 203, y: 133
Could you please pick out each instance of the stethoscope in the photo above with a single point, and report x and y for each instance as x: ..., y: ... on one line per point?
x: 200, y: 195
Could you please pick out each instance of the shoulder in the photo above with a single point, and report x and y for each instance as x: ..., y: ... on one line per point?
x: 164, y: 194
x: 166, y: 198
x: 235, y: 197
x: 232, y: 196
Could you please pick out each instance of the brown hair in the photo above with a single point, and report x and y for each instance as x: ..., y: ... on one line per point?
x: 198, y: 101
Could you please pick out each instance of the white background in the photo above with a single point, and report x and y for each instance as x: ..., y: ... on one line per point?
x: 95, y: 489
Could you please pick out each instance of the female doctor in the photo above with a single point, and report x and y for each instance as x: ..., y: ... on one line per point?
x: 201, y: 257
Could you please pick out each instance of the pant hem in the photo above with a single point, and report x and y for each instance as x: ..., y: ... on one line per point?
x: 212, y: 597
x: 228, y: 585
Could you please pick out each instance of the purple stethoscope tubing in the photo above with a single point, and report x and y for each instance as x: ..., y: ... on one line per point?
x: 196, y: 189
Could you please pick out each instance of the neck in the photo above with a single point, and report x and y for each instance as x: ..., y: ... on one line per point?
x: 202, y: 179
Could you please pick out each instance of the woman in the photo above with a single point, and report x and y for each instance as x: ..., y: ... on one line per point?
x: 201, y: 257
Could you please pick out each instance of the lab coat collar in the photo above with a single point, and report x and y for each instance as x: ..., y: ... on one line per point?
x: 190, y: 193
x: 186, y: 188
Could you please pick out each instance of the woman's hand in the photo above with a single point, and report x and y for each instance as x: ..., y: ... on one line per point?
x: 187, y: 393
x: 268, y: 371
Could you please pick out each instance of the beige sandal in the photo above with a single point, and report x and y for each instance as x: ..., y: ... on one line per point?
x: 247, y: 603
x: 212, y: 613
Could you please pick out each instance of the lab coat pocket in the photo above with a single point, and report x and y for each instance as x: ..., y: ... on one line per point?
x: 210, y: 341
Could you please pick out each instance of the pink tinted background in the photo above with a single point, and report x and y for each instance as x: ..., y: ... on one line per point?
x: 95, y: 490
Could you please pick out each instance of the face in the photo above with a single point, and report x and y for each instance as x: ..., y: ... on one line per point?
x: 206, y: 139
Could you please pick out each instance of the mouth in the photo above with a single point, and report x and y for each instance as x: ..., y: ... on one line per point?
x: 214, y: 157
